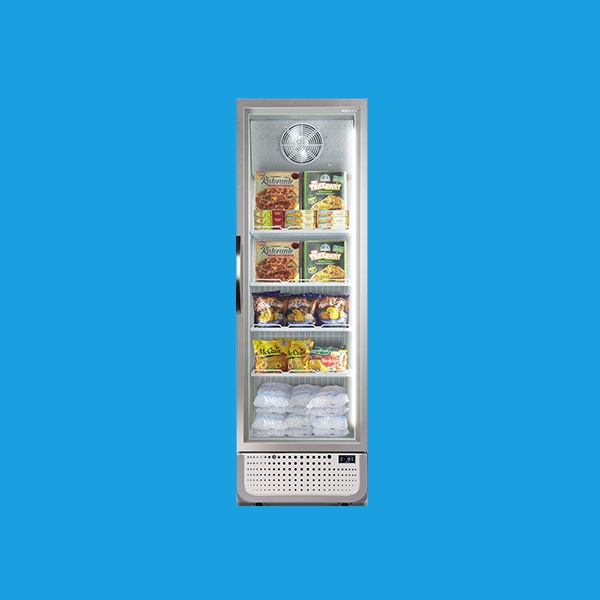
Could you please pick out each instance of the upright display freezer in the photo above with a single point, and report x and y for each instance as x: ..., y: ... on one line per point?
x: 301, y: 301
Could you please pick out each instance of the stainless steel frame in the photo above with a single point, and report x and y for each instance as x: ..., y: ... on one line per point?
x: 355, y: 111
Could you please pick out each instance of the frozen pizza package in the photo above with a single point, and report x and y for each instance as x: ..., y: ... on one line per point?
x: 324, y: 260
x: 277, y: 260
x: 324, y: 190
x: 277, y: 190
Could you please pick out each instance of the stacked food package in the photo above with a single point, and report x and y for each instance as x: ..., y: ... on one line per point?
x: 302, y: 201
x: 294, y: 200
x: 278, y: 308
x: 290, y: 355
x: 301, y: 410
x: 290, y: 261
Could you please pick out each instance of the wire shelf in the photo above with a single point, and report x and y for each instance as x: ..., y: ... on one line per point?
x: 293, y: 374
x: 291, y: 328
x: 303, y: 282
x: 261, y: 233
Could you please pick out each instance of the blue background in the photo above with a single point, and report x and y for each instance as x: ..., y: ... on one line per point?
x: 118, y: 331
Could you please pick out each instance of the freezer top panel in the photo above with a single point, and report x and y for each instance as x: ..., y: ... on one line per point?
x: 286, y: 135
x: 287, y: 144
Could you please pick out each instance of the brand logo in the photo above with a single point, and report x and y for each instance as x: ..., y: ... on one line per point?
x: 349, y: 110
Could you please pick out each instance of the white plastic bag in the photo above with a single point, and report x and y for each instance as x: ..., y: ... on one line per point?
x: 331, y: 422
x: 302, y: 393
x: 299, y: 431
x: 330, y: 432
x: 267, y: 433
x: 273, y: 394
x: 299, y: 421
x: 324, y: 411
x: 329, y: 395
x: 281, y: 411
x: 264, y: 422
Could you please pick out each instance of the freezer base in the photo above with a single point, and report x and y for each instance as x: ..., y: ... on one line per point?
x: 302, y: 478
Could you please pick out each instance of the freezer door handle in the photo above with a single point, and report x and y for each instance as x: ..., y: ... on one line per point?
x: 238, y: 271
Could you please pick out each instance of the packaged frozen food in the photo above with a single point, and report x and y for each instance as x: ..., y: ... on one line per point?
x: 272, y: 395
x: 330, y: 422
x: 271, y: 355
x: 269, y: 433
x: 269, y: 422
x: 332, y: 310
x: 299, y: 354
x: 332, y: 219
x: 277, y: 261
x: 327, y: 359
x: 302, y: 393
x: 299, y: 432
x: 324, y: 260
x: 332, y: 226
x: 329, y: 396
x: 269, y: 219
x: 268, y: 308
x: 324, y: 190
x: 277, y: 190
x: 263, y: 218
x: 276, y: 410
x: 328, y: 432
x: 299, y: 309
x: 299, y: 219
x: 299, y: 421
x: 323, y: 411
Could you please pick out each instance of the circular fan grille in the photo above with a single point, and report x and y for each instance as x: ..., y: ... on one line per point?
x: 301, y: 143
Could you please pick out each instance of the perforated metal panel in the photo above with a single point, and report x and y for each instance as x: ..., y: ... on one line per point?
x: 335, y: 135
x: 300, y: 474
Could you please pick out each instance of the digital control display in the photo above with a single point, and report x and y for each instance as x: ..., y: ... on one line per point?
x: 347, y: 458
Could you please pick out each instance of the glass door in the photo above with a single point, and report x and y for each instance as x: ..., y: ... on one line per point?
x: 303, y: 337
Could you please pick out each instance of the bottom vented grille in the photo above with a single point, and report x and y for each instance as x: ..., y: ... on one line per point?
x: 301, y: 473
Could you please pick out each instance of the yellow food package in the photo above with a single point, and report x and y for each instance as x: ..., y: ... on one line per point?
x: 299, y: 355
x: 271, y: 355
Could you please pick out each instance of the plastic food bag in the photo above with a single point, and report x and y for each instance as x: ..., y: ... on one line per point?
x: 272, y: 394
x: 267, y: 433
x: 330, y: 432
x: 268, y: 308
x: 329, y: 396
x: 299, y: 432
x: 332, y: 310
x: 331, y: 422
x: 277, y: 410
x: 299, y: 354
x: 302, y: 393
x: 271, y: 355
x: 264, y: 422
x: 299, y: 421
x: 300, y: 309
x: 327, y: 359
x: 324, y: 411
